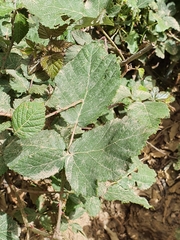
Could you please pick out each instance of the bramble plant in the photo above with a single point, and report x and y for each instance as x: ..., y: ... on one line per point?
x: 64, y: 79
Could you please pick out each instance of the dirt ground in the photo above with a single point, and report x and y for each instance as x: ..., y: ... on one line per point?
x: 119, y: 221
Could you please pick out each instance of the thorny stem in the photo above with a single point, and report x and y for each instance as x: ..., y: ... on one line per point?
x: 57, y: 234
x: 112, y: 43
x: 138, y: 54
x: 64, y: 109
x: 11, y: 43
x: 159, y: 150
x: 173, y: 36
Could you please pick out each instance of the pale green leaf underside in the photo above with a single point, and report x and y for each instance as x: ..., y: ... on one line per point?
x: 93, y: 77
x: 8, y: 228
x: 104, y: 154
x: 37, y: 157
x: 28, y: 119
x: 74, y: 9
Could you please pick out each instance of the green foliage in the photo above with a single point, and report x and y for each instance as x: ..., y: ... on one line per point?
x: 8, y: 228
x: 61, y: 93
x: 28, y: 119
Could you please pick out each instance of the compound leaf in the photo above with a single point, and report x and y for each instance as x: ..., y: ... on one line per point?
x: 28, y: 119
x: 91, y: 77
x: 38, y: 156
x: 104, y: 154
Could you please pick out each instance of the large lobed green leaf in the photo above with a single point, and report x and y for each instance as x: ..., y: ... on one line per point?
x: 104, y: 154
x: 93, y: 77
x: 37, y: 157
x: 73, y: 9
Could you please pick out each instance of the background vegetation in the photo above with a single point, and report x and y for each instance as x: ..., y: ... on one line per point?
x: 83, y: 86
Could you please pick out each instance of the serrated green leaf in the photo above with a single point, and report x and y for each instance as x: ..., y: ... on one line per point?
x: 73, y: 9
x: 21, y: 27
x: 4, y: 102
x: 165, y: 23
x: 125, y: 195
x: 78, y: 212
x: 136, y: 4
x: 52, y: 64
x: 148, y: 114
x: 141, y: 175
x: 5, y: 125
x: 131, y: 41
x: 38, y: 156
x: 81, y: 37
x: 28, y: 119
x: 101, y: 19
x: 8, y: 228
x: 140, y: 93
x: 13, y: 60
x: 104, y: 154
x: 6, y: 8
x: 47, y: 33
x: 91, y: 77
x: 143, y: 3
x: 72, y: 52
x: 93, y: 206
x: 18, y: 101
x: 38, y: 89
x: 18, y: 83
x: 30, y: 214
x: 163, y: 17
x: 171, y: 47
x: 122, y: 92
x: 46, y: 222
